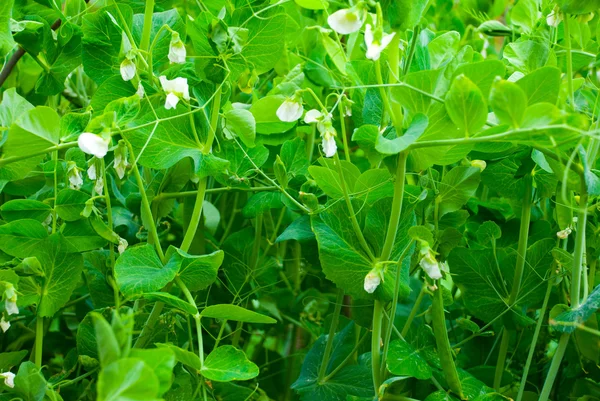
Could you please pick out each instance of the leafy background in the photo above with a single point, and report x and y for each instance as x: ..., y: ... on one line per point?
x: 473, y: 139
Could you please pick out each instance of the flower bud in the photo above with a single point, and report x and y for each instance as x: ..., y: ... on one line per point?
x: 128, y: 69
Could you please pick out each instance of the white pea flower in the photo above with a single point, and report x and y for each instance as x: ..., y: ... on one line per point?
x: 346, y: 21
x: 328, y: 144
x: 177, y: 52
x: 120, y: 163
x: 429, y: 263
x: 444, y: 267
x: 346, y: 105
x: 123, y: 244
x: 9, y: 379
x: 128, y: 69
x: 10, y: 300
x: 375, y: 45
x: 553, y: 19
x: 140, y: 90
x: 175, y: 89
x: 74, y: 174
x: 564, y: 234
x: 4, y: 325
x: 290, y: 110
x: 99, y: 185
x: 93, y: 144
x: 313, y: 116
x: 480, y: 164
x: 372, y: 281
x: 91, y: 172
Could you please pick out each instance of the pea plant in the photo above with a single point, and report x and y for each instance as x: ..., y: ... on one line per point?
x: 313, y: 200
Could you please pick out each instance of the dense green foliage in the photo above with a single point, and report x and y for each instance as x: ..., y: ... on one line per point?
x: 299, y: 200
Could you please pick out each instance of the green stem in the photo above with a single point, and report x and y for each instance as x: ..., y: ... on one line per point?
x: 13, y: 159
x: 190, y: 233
x: 344, y: 136
x: 569, y: 61
x: 190, y: 299
x: 392, y: 230
x: 413, y: 312
x: 186, y: 194
x: 536, y: 334
x: 55, y: 215
x: 579, y: 247
x: 109, y: 217
x: 214, y: 119
x: 376, y: 344
x: 413, y: 47
x: 332, y: 328
x: 353, y: 219
x: 443, y: 343
x: 517, y: 279
x: 383, y: 93
x: 554, y: 366
x: 148, y: 12
x: 146, y: 205
x: 39, y: 340
x: 390, y: 326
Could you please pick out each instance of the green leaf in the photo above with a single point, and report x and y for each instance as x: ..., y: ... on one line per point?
x: 161, y: 361
x: 566, y: 322
x: 30, y: 383
x: 10, y: 359
x: 111, y: 90
x: 416, y: 101
x: 70, y: 203
x: 508, y: 101
x: 313, y: 4
x: 328, y: 177
x: 298, y: 230
x: 482, y: 73
x: 264, y: 111
x: 241, y: 122
x: 391, y: 147
x: 82, y: 236
x: 63, y: 62
x: 293, y: 155
x: 266, y: 40
x: 25, y: 209
x: 404, y: 14
x: 578, y: 6
x: 102, y: 41
x: 487, y: 281
x: 404, y: 360
x: 542, y: 85
x: 196, y: 271
x: 440, y: 395
x: 172, y: 140
x: 262, y: 202
x: 20, y: 238
x: 62, y: 266
x: 139, y: 270
x: 227, y: 363
x: 128, y: 379
x: 171, y: 300
x: 235, y: 313
x: 6, y: 40
x: 342, y: 258
x: 488, y: 232
x: 186, y: 357
x: 35, y: 130
x: 457, y: 187
x: 525, y: 14
x: 351, y: 380
x: 109, y: 350
x: 527, y: 56
x: 466, y: 105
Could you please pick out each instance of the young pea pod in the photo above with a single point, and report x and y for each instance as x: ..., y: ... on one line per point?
x: 443, y: 343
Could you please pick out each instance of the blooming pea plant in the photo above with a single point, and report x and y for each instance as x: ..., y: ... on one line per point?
x: 353, y: 200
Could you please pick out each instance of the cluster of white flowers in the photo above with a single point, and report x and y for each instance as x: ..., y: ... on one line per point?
x: 291, y: 110
x: 350, y: 20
